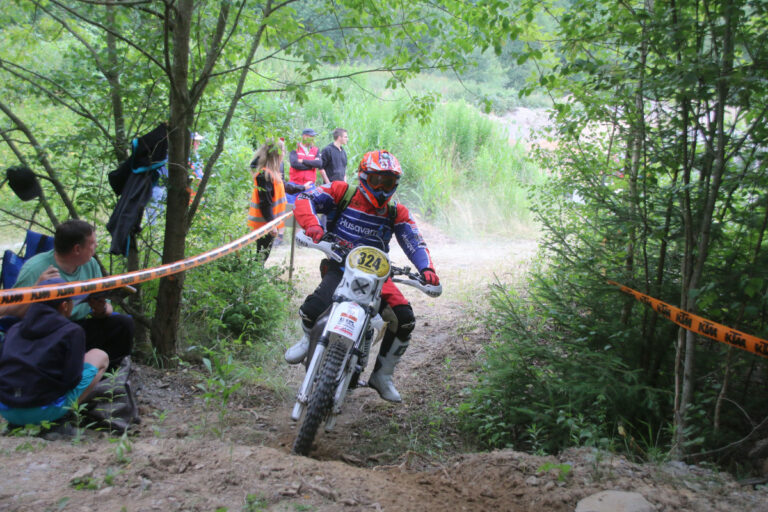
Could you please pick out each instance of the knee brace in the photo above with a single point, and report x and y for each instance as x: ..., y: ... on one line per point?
x: 405, y: 324
x: 406, y: 321
x: 308, y: 313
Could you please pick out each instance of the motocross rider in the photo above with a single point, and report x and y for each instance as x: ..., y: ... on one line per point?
x: 369, y: 220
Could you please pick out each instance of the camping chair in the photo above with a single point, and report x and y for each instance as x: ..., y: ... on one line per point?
x: 34, y: 243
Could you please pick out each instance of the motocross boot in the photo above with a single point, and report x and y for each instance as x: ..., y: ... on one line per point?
x: 298, y: 351
x: 381, y: 378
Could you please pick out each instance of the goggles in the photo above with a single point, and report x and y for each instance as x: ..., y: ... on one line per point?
x: 382, y: 181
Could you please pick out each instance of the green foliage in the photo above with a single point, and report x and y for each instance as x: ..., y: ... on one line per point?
x: 234, y: 298
x: 458, y: 166
x: 222, y: 379
x: 648, y: 191
x: 61, y: 504
x: 84, y: 483
x: 543, y: 389
x: 563, y: 470
x: 123, y: 448
x: 255, y: 503
x: 226, y: 371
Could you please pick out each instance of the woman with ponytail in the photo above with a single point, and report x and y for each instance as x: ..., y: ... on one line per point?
x: 268, y: 197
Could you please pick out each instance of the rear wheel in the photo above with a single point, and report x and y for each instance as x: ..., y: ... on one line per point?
x: 321, y: 401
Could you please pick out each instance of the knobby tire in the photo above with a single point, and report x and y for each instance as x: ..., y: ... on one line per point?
x: 321, y: 401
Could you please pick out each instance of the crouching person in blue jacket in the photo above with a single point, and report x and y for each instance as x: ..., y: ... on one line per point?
x: 44, y: 368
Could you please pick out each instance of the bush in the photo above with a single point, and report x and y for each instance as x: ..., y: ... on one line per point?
x: 234, y: 297
x: 544, y: 389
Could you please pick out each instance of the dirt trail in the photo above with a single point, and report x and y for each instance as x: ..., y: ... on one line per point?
x: 380, y: 457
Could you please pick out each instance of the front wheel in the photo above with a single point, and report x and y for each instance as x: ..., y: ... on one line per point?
x: 321, y: 402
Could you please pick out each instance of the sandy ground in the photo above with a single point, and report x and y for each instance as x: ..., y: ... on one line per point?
x: 381, y: 456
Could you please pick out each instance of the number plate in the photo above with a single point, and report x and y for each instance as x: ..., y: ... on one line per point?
x: 369, y: 260
x: 347, y: 319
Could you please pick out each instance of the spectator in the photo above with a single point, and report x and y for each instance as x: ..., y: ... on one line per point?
x: 74, y: 244
x: 334, y: 157
x: 44, y: 367
x: 268, y: 196
x: 305, y: 161
x: 259, y: 157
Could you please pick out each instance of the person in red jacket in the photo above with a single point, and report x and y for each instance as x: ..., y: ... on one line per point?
x: 305, y: 161
x: 369, y: 219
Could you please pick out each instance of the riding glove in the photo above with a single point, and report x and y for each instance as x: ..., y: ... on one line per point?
x: 315, y: 233
x: 430, y: 277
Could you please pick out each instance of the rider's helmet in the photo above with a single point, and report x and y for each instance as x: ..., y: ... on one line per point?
x: 379, y: 173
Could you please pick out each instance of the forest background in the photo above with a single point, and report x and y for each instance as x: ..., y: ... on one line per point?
x: 654, y: 176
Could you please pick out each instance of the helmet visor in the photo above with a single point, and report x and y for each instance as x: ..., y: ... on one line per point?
x: 382, y: 181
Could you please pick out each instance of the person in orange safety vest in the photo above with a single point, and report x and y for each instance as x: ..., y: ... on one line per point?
x: 268, y: 196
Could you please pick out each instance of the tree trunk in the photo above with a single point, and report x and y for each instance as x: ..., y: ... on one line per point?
x: 112, y: 74
x: 165, y: 324
x: 711, y: 175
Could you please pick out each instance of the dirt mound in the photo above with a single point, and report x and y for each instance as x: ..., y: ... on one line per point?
x: 204, y: 474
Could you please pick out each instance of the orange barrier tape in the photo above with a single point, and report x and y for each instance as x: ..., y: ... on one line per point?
x: 43, y: 293
x: 700, y: 325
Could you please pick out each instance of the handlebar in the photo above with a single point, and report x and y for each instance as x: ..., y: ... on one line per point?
x: 331, y: 249
x: 415, y: 280
x: 330, y: 246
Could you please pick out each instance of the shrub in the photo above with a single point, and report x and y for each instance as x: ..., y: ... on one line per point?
x: 234, y: 298
x: 542, y: 388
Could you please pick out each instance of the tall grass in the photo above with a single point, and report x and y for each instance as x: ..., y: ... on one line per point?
x: 459, y: 167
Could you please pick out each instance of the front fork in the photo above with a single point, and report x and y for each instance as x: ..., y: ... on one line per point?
x: 347, y: 370
x: 306, y: 385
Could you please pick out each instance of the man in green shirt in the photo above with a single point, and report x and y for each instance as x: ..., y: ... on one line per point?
x: 71, y: 259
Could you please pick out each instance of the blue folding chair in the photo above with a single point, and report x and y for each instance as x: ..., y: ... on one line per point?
x: 34, y: 243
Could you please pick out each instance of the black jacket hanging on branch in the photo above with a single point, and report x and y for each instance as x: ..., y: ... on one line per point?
x: 133, y: 181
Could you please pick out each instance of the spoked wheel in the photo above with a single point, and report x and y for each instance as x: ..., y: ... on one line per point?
x: 321, y: 401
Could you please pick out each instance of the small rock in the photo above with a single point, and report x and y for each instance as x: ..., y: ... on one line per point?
x: 549, y: 485
x: 83, y: 473
x: 532, y: 481
x: 350, y: 459
x: 290, y: 490
x: 614, y: 501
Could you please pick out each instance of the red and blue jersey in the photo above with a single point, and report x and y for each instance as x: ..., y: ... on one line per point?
x: 362, y: 224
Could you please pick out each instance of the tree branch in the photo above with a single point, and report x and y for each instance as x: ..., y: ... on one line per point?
x: 43, y: 158
x: 43, y: 200
x: 15, y: 215
x: 336, y: 77
x: 227, y: 120
x: 82, y: 111
x: 214, y: 51
x: 117, y: 35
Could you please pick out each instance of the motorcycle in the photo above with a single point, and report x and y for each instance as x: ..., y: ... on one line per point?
x: 341, y: 339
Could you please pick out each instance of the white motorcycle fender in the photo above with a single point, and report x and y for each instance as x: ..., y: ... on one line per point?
x: 347, y: 319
